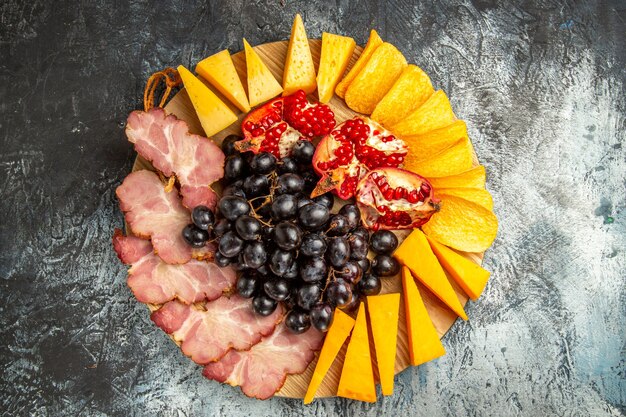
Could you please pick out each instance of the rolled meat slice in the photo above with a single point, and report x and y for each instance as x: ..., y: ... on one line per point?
x: 156, y: 282
x: 206, y: 334
x: 156, y: 214
x: 165, y: 141
x: 262, y: 370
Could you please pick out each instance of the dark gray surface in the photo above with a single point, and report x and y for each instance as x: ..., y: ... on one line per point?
x: 542, y: 88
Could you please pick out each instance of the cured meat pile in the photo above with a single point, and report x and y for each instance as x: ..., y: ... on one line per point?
x: 194, y: 298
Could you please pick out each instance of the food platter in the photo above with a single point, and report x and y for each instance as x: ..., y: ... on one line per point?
x: 273, y: 54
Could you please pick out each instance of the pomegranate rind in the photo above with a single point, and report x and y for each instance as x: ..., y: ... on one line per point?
x: 374, y: 205
x: 407, y: 94
x: 472, y: 178
x: 454, y: 160
x: 435, y: 113
x: 375, y: 79
x: 462, y: 225
x: 373, y: 42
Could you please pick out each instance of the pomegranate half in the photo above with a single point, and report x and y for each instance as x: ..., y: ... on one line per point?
x: 353, y: 148
x: 278, y: 124
x: 392, y: 198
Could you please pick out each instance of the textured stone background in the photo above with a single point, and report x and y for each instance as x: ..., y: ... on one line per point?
x: 541, y: 85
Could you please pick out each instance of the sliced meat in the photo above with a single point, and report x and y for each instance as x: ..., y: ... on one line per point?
x: 224, y: 324
x: 155, y: 214
x: 165, y: 141
x: 156, y: 282
x: 261, y: 371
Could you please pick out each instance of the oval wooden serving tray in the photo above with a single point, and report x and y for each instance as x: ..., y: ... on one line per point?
x: 273, y: 54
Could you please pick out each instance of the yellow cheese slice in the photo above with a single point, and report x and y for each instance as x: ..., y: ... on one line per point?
x: 213, y: 113
x: 357, y: 375
x: 262, y: 85
x: 336, y: 53
x: 337, y: 334
x: 424, y: 342
x: 383, y: 314
x: 415, y: 253
x: 299, y: 71
x: 469, y: 275
x: 219, y: 70
x: 373, y: 42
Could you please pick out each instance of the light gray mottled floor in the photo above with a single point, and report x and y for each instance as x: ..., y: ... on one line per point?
x: 541, y: 85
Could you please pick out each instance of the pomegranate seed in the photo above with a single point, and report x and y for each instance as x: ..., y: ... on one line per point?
x: 425, y: 188
x: 413, y: 197
x: 399, y: 193
x: 388, y: 194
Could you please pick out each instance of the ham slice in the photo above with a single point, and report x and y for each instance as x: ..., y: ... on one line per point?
x: 206, y: 334
x: 156, y: 282
x: 155, y: 214
x: 165, y: 141
x: 261, y: 371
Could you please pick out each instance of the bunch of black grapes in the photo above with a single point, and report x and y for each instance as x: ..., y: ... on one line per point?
x: 288, y: 247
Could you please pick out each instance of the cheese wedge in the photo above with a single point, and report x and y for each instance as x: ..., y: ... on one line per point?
x: 357, y: 375
x: 219, y: 70
x: 262, y: 85
x: 375, y: 79
x: 473, y: 178
x: 415, y: 253
x: 424, y: 342
x: 299, y: 71
x: 336, y: 53
x: 469, y: 275
x: 383, y: 314
x: 337, y: 334
x: 435, y: 113
x: 213, y: 114
x: 407, y: 94
x: 475, y: 195
x: 373, y: 42
x: 426, y: 145
x: 451, y: 161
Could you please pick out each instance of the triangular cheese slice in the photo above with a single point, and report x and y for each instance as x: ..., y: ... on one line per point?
x: 213, y: 113
x: 469, y: 275
x: 415, y: 253
x: 373, y: 42
x: 383, y: 314
x: 357, y: 375
x: 262, y: 85
x: 299, y: 71
x: 424, y: 342
x: 337, y: 334
x: 219, y: 70
x: 336, y: 53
